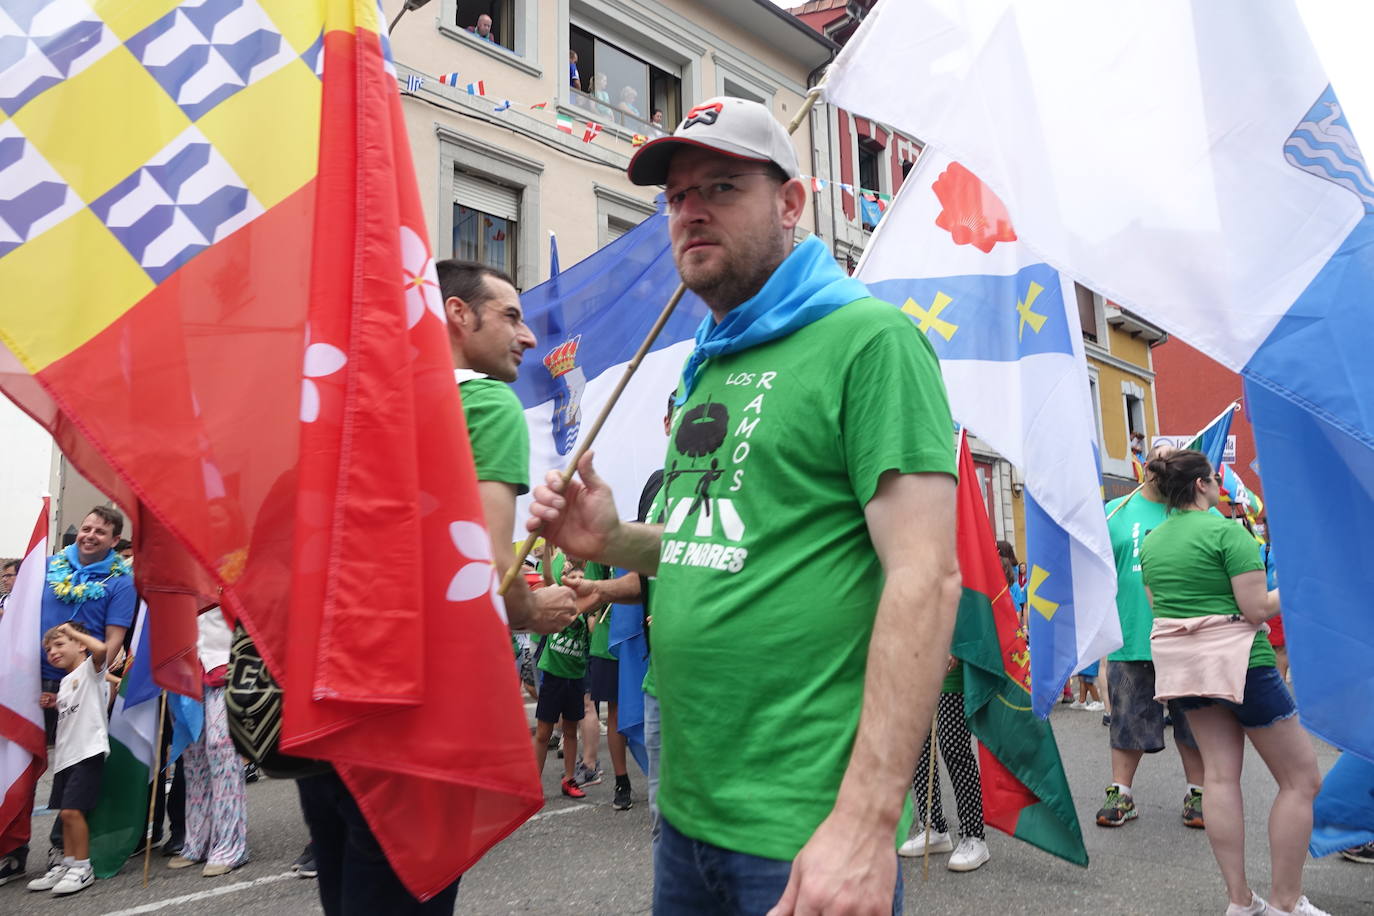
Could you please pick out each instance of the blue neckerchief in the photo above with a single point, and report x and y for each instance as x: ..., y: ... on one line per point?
x: 807, y: 286
x: 100, y: 569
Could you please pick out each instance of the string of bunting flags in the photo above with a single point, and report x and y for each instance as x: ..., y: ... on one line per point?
x: 592, y: 129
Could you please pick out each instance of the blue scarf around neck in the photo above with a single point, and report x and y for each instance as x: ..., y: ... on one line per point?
x: 807, y: 286
x: 100, y: 569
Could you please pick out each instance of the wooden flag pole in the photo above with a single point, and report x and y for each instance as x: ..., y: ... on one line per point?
x: 157, y: 786
x: 930, y: 792
x: 586, y: 443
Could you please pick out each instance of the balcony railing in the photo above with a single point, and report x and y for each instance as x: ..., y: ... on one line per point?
x: 606, y: 113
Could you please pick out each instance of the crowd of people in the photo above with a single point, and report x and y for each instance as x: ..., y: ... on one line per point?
x: 834, y: 528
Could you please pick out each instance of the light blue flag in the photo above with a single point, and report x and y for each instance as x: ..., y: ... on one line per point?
x: 589, y: 320
x: 631, y: 649
x: 1343, y: 813
x: 1011, y: 353
x: 188, y: 720
x: 1241, y: 221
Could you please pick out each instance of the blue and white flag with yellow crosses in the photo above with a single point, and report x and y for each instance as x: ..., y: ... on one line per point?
x: 1011, y: 351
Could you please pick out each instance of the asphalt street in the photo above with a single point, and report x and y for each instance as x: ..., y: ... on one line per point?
x: 586, y: 858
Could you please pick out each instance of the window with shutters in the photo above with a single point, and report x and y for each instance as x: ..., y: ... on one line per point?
x: 485, y: 222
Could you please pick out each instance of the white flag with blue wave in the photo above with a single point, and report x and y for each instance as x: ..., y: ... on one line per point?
x: 1193, y: 162
x: 1011, y: 352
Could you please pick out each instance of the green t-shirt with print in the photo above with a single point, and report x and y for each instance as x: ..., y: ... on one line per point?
x: 768, y: 583
x: 566, y: 655
x: 1187, y: 564
x: 496, y: 428
x: 1127, y: 529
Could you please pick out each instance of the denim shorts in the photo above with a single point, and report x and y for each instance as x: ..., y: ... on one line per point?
x: 1267, y: 700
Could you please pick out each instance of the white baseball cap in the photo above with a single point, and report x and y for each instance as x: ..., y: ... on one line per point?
x: 735, y: 127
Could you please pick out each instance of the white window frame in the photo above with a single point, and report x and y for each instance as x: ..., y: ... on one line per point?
x: 1095, y: 394
x: 619, y: 206
x: 760, y: 90
x: 1131, y: 390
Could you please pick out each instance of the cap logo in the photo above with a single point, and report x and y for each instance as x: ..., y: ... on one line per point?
x: 703, y: 114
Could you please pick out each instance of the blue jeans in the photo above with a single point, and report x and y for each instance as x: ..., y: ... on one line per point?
x: 653, y: 743
x: 355, y: 877
x: 693, y: 878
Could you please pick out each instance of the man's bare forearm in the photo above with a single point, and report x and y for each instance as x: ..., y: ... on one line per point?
x: 907, y: 655
x: 622, y: 590
x: 634, y: 546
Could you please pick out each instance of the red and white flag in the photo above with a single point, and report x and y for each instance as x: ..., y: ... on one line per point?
x: 23, y: 750
x: 590, y: 132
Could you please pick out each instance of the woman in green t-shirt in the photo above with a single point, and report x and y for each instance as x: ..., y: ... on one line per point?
x: 1198, y: 563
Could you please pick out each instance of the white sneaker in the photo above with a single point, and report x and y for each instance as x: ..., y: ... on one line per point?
x: 1257, y: 907
x: 1078, y: 704
x: 971, y: 854
x: 916, y: 846
x: 49, y: 881
x: 1305, y: 907
x: 1095, y: 706
x: 77, y: 878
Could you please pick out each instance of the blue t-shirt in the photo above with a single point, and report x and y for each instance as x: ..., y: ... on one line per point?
x: 1018, y: 595
x: 114, y: 609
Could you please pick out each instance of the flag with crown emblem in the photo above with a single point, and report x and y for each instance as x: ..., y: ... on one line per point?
x: 262, y: 378
x: 1012, y: 356
x: 589, y: 320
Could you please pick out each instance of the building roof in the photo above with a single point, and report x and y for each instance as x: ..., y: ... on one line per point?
x: 794, y: 37
x: 817, y: 6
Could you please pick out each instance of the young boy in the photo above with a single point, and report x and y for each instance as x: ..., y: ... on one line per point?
x: 79, y: 755
x: 563, y: 664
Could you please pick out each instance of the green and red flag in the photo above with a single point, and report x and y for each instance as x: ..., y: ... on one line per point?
x: 1025, y: 789
x: 218, y: 296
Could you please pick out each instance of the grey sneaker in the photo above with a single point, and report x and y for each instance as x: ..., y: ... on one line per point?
x: 586, y: 776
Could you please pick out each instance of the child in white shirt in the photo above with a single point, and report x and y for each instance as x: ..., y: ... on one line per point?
x: 79, y: 755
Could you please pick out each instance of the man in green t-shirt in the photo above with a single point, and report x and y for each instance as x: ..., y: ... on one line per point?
x: 807, y: 579
x: 1137, y: 721
x: 487, y: 338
